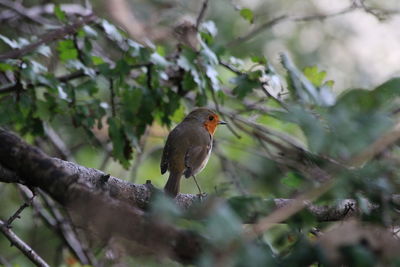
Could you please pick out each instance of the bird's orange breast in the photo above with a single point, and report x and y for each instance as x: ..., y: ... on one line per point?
x: 211, y: 126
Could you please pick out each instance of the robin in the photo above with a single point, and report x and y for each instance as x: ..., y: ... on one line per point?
x: 188, y: 147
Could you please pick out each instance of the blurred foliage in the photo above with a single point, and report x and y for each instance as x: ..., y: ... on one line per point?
x: 112, y: 101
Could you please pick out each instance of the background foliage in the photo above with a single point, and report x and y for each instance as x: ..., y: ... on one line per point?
x: 105, y: 98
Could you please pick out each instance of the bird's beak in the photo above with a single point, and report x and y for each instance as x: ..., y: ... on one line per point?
x: 222, y: 122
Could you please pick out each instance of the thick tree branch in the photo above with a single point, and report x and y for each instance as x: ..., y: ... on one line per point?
x: 99, y: 202
x: 21, y: 245
x: 139, y: 195
x: 118, y: 205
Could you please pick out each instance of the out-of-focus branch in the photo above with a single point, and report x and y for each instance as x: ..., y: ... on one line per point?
x: 378, y: 146
x: 61, y: 226
x: 58, y: 143
x: 257, y: 30
x: 19, y: 9
x: 63, y: 79
x: 299, y: 203
x: 49, y: 37
x: 36, y: 12
x: 201, y: 14
x: 66, y: 229
x: 21, y: 245
x: 380, y: 14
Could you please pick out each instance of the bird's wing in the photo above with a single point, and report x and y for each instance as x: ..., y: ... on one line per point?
x: 195, y: 159
x: 169, y: 149
x: 164, y: 159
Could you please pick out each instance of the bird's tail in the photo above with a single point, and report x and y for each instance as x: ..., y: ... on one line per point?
x: 172, y: 186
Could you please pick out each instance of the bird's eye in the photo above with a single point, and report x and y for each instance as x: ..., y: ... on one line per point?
x: 211, y: 118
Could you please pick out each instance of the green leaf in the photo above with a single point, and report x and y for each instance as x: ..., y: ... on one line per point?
x: 179, y: 114
x: 315, y: 76
x: 247, y: 14
x: 60, y: 14
x: 223, y: 226
x: 120, y: 143
x: 292, y: 180
x: 312, y: 127
x: 6, y: 67
x: 245, y: 84
x: 67, y: 50
x: 249, y: 208
x: 259, y: 60
x: 97, y: 60
x: 164, y: 208
x: 131, y: 100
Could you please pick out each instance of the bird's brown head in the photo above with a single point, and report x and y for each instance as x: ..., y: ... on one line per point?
x: 206, y: 117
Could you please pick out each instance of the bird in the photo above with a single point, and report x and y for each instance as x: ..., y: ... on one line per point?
x: 188, y: 148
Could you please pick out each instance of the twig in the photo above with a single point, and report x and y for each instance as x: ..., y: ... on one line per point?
x: 4, y: 261
x: 230, y: 169
x: 48, y: 38
x: 378, y: 146
x: 285, y: 212
x: 257, y: 30
x: 66, y: 229
x: 112, y: 98
x: 379, y: 14
x: 57, y: 224
x: 22, y: 246
x: 201, y: 14
x: 149, y: 76
x: 20, y: 209
x: 231, y: 68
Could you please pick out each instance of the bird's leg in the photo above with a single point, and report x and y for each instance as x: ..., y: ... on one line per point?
x: 198, y: 187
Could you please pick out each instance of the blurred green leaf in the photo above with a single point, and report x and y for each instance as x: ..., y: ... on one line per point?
x: 315, y: 76
x: 292, y: 180
x: 245, y: 84
x: 60, y: 14
x: 249, y: 208
x: 121, y: 146
x: 223, y: 226
x: 247, y: 14
x: 67, y: 51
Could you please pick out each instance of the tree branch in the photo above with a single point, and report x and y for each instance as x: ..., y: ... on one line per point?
x: 48, y: 38
x: 35, y: 12
x: 26, y: 204
x: 355, y: 5
x: 201, y: 14
x: 116, y: 207
x: 16, y: 7
x: 21, y: 245
x: 97, y: 201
